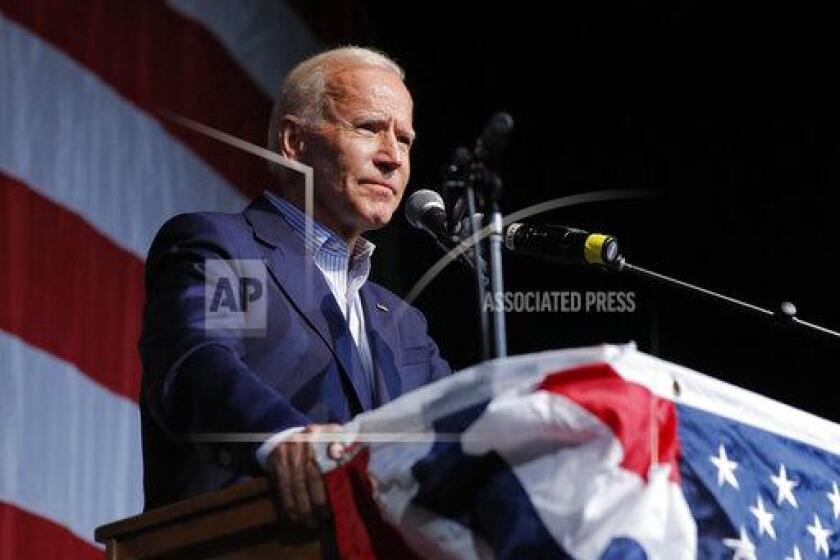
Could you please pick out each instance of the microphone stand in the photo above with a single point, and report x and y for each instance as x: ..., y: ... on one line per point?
x: 459, y: 190
x: 480, y: 279
x: 785, y: 316
x: 493, y: 218
x: 469, y: 171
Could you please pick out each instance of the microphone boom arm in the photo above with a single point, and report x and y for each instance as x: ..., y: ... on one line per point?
x: 785, y: 316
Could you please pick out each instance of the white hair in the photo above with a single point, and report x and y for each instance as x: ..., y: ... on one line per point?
x: 303, y: 92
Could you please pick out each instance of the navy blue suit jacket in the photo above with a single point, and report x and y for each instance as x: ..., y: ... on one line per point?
x: 306, y: 369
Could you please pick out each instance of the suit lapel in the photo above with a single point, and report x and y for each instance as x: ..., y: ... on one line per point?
x: 308, y: 291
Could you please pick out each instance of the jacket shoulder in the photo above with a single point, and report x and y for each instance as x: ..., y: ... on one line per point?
x: 195, y: 227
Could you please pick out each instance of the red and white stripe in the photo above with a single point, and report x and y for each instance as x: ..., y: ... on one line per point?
x: 90, y: 167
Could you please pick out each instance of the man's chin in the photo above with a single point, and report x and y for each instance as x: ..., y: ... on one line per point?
x: 377, y: 218
x: 377, y: 222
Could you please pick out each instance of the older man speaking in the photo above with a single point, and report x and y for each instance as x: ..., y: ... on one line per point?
x: 331, y: 343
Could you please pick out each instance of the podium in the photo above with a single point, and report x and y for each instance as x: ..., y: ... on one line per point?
x: 239, y: 522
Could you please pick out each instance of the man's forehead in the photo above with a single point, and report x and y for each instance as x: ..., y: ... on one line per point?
x: 360, y: 73
x: 369, y: 87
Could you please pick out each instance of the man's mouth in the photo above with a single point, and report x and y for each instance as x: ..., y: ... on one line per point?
x: 381, y: 185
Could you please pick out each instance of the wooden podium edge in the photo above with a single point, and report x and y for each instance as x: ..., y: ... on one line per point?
x: 240, y: 517
x: 179, y: 511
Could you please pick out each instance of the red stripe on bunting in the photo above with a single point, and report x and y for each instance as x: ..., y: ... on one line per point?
x: 68, y: 289
x: 360, y: 531
x: 25, y: 535
x: 645, y: 425
x: 163, y: 62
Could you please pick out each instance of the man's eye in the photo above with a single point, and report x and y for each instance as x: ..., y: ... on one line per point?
x: 367, y: 127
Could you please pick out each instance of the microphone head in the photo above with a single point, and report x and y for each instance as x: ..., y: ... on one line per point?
x: 496, y: 130
x: 495, y: 135
x: 419, y: 203
x: 601, y: 249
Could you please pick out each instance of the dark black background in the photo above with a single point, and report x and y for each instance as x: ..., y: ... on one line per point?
x: 728, y: 114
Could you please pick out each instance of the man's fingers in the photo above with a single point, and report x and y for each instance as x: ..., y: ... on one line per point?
x: 317, y: 492
x: 299, y: 480
x: 299, y: 461
x: 280, y: 461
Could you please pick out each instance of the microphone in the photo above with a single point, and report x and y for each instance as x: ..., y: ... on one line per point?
x: 563, y: 244
x: 494, y: 136
x: 424, y: 210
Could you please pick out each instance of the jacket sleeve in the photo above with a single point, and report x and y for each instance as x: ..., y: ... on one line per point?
x: 194, y: 378
x: 438, y: 366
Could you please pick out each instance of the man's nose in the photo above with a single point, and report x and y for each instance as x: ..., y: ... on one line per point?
x: 390, y: 155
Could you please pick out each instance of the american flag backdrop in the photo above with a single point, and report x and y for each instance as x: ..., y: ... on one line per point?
x: 596, y: 454
x: 90, y: 167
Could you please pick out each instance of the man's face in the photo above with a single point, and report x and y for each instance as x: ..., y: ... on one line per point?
x: 360, y: 153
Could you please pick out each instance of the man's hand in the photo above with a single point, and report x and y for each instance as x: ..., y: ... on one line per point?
x: 299, y: 482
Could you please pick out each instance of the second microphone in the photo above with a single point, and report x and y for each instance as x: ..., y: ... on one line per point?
x: 563, y: 244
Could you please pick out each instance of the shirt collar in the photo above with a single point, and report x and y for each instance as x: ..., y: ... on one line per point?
x: 323, y: 239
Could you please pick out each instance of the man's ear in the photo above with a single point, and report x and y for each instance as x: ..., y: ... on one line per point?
x: 292, y: 144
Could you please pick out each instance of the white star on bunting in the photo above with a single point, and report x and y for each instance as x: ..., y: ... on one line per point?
x: 796, y: 554
x: 743, y: 546
x: 764, y: 518
x: 785, y: 487
x: 820, y: 535
x: 725, y: 468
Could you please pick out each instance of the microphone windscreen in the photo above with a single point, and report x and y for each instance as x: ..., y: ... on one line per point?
x: 419, y: 203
